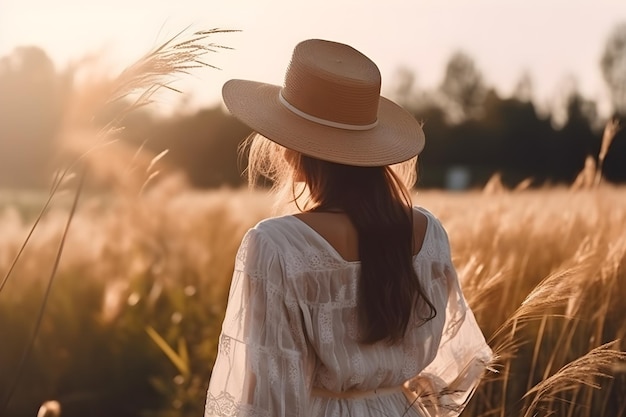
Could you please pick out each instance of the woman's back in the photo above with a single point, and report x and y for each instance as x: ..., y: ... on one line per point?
x: 310, y: 354
x: 337, y: 229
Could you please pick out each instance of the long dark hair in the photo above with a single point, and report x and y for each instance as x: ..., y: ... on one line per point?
x: 379, y: 206
x: 377, y: 201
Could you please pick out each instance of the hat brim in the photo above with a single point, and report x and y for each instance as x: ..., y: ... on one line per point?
x: 396, y: 137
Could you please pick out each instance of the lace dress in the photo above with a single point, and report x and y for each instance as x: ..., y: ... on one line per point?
x: 289, y: 343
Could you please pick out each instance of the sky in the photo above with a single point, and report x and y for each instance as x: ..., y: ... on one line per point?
x: 551, y: 40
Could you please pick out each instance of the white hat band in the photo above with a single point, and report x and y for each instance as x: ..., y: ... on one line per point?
x: 321, y: 121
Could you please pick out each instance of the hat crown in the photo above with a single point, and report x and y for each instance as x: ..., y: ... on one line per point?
x: 333, y: 82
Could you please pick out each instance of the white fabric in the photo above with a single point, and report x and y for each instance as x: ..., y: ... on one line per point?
x: 291, y: 328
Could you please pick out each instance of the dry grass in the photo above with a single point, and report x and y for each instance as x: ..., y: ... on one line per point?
x: 105, y: 101
x: 545, y: 272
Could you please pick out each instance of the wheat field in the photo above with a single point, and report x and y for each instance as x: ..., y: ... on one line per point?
x: 134, y: 313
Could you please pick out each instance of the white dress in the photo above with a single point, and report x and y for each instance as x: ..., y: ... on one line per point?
x: 289, y: 343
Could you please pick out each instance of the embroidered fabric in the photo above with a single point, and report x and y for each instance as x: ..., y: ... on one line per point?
x: 291, y: 328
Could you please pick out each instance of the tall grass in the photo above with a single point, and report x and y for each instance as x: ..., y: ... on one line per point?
x: 544, y: 270
x: 133, y: 89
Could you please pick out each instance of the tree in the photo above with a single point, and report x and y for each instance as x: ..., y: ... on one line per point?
x: 404, y: 85
x: 463, y: 85
x: 613, y: 64
x: 204, y: 145
x: 30, y: 118
x: 523, y: 90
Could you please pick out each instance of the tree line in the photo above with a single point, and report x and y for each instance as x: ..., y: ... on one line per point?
x: 472, y: 131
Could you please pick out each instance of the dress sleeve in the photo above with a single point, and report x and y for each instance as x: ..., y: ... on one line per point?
x: 446, y: 385
x: 261, y: 367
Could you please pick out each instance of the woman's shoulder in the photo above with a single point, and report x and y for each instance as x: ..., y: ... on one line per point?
x: 433, y: 220
x: 266, y: 241
x: 277, y: 231
x: 271, y: 225
x: 436, y: 239
x: 425, y: 212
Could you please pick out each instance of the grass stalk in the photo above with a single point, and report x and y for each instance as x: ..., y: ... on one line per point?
x: 583, y: 371
x: 56, y: 183
x: 535, y: 358
x: 610, y: 130
x: 153, y: 72
x: 31, y: 342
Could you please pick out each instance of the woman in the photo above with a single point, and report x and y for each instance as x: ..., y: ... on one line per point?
x: 351, y: 307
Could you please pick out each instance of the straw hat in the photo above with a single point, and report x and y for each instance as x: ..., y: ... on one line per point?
x: 330, y: 108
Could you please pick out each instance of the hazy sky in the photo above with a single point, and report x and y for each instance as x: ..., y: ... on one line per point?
x: 550, y: 39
